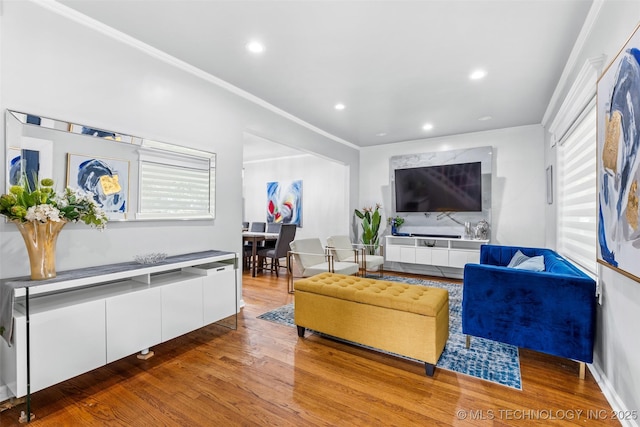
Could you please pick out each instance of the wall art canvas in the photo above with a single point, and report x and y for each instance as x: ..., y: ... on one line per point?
x: 33, y: 159
x: 14, y: 166
x: 107, y: 179
x: 618, y: 145
x: 284, y: 202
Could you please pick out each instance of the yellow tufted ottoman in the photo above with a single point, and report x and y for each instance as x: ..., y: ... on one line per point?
x: 408, y: 320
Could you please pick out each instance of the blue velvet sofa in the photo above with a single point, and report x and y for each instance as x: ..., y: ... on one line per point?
x: 551, y: 311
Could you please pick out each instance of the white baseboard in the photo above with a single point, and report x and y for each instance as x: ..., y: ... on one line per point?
x: 617, y: 405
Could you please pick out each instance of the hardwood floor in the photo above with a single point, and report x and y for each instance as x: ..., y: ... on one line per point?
x: 262, y: 374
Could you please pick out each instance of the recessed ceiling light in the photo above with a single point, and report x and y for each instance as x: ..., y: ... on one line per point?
x: 381, y: 134
x: 339, y: 106
x: 255, y: 47
x: 485, y: 118
x: 478, y: 74
x: 427, y: 126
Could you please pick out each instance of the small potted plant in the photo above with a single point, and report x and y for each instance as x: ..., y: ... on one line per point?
x: 395, y: 223
x: 370, y: 225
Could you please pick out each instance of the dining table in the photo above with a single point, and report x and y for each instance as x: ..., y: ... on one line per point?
x: 256, y: 237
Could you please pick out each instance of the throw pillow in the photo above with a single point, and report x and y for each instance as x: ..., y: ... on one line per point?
x: 517, y: 259
x: 535, y: 263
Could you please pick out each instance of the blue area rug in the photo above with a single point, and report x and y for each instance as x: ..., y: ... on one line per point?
x: 485, y: 359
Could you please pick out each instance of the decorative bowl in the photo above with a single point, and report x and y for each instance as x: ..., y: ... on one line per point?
x: 152, y: 258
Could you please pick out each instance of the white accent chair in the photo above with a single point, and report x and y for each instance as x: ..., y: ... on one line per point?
x: 345, y: 251
x: 311, y: 258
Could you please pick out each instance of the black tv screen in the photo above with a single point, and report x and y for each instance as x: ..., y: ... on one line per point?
x: 442, y: 188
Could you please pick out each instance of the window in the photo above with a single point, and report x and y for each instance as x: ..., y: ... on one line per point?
x: 576, y: 237
x: 177, y: 185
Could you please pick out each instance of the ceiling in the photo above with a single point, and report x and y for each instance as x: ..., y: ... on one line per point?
x: 395, y: 65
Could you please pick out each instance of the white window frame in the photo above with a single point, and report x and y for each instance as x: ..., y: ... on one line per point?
x: 574, y: 132
x: 577, y: 194
x: 193, y: 184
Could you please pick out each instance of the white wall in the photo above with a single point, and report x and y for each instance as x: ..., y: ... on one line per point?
x: 55, y: 67
x: 518, y: 182
x: 325, y: 209
x: 616, y: 361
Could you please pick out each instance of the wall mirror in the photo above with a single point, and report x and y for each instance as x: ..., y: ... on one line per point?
x: 132, y: 178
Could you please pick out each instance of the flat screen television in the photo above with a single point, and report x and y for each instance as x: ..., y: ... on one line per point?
x: 442, y: 188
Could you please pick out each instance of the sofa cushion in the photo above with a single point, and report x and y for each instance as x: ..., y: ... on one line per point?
x: 517, y: 259
x: 535, y: 263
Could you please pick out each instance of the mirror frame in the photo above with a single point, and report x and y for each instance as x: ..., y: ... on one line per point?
x: 143, y: 145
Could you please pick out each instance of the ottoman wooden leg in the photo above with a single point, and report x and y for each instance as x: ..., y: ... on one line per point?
x: 429, y: 369
x: 300, y: 331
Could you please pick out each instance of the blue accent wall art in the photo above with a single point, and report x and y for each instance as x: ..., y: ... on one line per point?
x: 31, y: 157
x: 618, y: 141
x: 284, y: 202
x: 107, y: 179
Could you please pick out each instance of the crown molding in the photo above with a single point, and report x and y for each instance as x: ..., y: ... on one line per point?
x: 580, y: 95
x: 578, y: 46
x: 121, y: 37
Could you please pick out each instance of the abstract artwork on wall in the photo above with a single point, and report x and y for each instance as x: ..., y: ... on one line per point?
x: 33, y: 159
x: 107, y: 179
x: 284, y: 202
x: 618, y: 160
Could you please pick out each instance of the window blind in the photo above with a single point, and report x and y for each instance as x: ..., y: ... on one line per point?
x: 176, y: 187
x: 577, y: 196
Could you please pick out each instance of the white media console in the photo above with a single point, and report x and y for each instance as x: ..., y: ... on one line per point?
x: 84, y: 319
x: 433, y: 251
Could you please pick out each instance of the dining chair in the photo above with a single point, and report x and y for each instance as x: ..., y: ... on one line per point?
x: 344, y: 250
x: 247, y: 249
x: 272, y: 227
x: 258, y: 227
x: 286, y: 235
x: 311, y: 258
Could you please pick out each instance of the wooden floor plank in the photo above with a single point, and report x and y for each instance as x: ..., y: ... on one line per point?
x: 263, y: 374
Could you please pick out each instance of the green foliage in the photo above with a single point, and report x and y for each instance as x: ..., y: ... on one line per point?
x: 396, y: 222
x: 42, y: 204
x: 370, y: 218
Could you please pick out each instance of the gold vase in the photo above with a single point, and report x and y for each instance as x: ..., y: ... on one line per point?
x: 40, y: 239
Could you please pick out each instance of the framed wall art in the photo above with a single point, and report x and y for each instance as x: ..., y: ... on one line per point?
x: 32, y: 159
x: 107, y: 179
x: 618, y: 160
x: 284, y: 202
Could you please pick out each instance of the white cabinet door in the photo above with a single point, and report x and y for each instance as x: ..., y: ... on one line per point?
x: 408, y: 254
x: 66, y: 342
x: 392, y: 253
x: 133, y: 323
x: 440, y: 257
x: 219, y: 295
x: 181, y: 307
x: 423, y: 256
x: 459, y: 257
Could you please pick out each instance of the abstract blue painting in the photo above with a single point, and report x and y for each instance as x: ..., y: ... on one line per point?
x: 33, y: 158
x: 618, y: 141
x: 284, y: 202
x: 106, y: 179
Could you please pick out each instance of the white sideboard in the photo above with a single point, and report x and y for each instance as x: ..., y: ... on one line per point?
x: 84, y: 319
x: 433, y: 251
